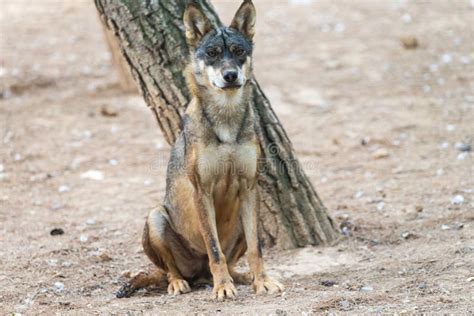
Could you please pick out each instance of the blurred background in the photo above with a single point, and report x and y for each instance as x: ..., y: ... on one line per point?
x: 376, y: 96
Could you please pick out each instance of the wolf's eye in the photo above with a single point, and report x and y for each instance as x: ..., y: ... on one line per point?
x: 239, y: 51
x: 211, y: 53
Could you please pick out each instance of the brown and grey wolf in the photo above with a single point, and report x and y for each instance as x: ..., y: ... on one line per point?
x: 208, y: 219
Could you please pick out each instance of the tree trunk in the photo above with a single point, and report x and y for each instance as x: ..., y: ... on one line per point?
x: 151, y: 36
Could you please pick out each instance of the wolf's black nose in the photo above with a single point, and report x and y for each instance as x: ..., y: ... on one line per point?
x: 230, y: 75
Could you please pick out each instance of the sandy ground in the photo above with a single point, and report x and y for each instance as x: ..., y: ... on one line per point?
x: 382, y: 131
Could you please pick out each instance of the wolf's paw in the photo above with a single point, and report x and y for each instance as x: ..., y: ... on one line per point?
x: 178, y: 286
x: 266, y: 284
x: 224, y: 289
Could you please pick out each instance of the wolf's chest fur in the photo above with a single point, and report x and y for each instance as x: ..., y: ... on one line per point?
x: 226, y: 156
x: 225, y: 115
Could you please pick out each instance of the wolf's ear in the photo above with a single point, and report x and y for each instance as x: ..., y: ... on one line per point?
x: 196, y: 23
x: 244, y: 19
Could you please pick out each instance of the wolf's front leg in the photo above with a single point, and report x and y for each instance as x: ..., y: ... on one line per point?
x: 261, y: 283
x: 223, y: 283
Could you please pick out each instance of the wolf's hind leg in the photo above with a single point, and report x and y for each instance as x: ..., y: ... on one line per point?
x: 156, y: 244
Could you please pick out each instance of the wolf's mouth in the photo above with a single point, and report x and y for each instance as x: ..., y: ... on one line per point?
x: 231, y: 86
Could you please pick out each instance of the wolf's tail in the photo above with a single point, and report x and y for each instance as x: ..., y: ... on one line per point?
x: 139, y: 281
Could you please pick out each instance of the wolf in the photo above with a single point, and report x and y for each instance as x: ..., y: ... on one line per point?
x: 208, y: 219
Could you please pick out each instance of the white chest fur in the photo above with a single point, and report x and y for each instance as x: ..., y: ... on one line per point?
x: 228, y: 114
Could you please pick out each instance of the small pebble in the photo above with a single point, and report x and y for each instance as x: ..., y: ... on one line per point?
x: 462, y: 156
x: 113, y: 162
x: 346, y: 231
x: 406, y: 18
x: 366, y: 288
x: 64, y: 189
x: 445, y: 300
x: 108, y: 111
x: 409, y: 42
x: 447, y: 58
x: 105, y: 257
x: 2, y: 168
x: 380, y: 153
x: 96, y: 175
x: 56, y: 232
x: 407, y: 235
x: 445, y: 227
x: 59, y: 287
x: 358, y: 194
x: 458, y: 226
x: 380, y: 206
x: 457, y: 200
x: 463, y: 147
x: 83, y: 238
x: 328, y: 283
x: 450, y: 127
x: 90, y: 222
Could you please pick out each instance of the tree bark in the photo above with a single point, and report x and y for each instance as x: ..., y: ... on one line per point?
x: 151, y: 36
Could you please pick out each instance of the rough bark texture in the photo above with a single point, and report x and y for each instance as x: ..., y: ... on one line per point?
x: 151, y: 36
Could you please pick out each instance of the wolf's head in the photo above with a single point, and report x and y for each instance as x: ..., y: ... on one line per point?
x: 221, y: 58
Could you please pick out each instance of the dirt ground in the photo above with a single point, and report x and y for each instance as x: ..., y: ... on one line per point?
x: 383, y: 132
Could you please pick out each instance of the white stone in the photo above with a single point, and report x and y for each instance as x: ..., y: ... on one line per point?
x: 406, y: 18
x: 380, y: 206
x: 447, y: 58
x: 59, y: 287
x: 463, y: 155
x: 90, y: 222
x: 64, y: 189
x: 96, y: 175
x: 450, y: 127
x: 358, y: 194
x: 457, y: 200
